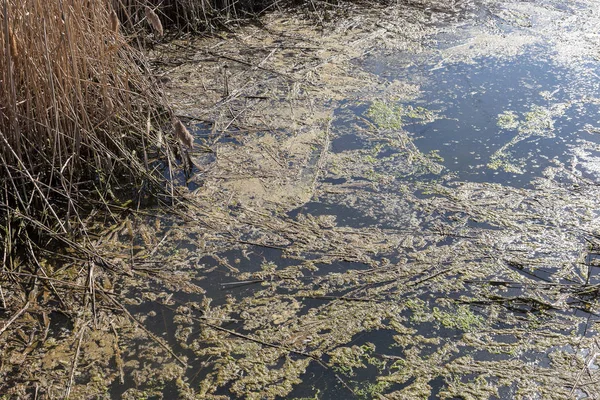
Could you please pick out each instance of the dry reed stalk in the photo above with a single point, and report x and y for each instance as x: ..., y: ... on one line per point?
x: 154, y: 20
x: 74, y: 105
x: 14, y: 50
x: 183, y: 134
x: 57, y: 110
x: 14, y: 317
x: 195, y: 15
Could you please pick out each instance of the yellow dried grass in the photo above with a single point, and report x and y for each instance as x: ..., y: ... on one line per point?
x: 74, y: 99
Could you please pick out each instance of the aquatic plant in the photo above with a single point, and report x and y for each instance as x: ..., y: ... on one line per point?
x: 386, y: 116
x: 537, y: 122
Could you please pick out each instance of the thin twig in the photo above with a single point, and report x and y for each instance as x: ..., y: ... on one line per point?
x: 150, y: 334
x: 276, y: 346
x: 14, y: 317
x: 266, y: 344
x: 75, y: 359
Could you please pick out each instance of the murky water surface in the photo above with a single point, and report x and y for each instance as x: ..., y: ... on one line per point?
x: 471, y: 100
x: 431, y: 234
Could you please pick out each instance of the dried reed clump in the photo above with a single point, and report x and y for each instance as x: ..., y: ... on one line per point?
x: 203, y: 15
x: 74, y: 103
x: 198, y: 15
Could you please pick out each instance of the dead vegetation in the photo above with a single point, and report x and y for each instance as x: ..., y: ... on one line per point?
x: 80, y: 122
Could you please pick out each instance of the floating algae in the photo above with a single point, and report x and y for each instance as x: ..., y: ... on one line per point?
x: 497, y: 267
x: 387, y: 276
x: 538, y: 122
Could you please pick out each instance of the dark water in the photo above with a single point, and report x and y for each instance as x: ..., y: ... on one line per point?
x: 468, y: 98
x: 472, y: 96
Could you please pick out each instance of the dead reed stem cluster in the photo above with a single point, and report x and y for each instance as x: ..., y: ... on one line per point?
x: 79, y: 127
x: 77, y: 112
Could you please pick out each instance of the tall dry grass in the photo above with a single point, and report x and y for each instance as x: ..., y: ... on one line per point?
x: 75, y: 106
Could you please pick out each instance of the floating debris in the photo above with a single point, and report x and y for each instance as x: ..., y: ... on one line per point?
x: 183, y: 134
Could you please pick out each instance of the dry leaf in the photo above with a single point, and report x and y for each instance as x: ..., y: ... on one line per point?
x: 114, y: 21
x: 153, y: 19
x: 13, y: 43
x: 183, y: 134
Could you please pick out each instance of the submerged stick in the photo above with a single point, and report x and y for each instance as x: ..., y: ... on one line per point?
x: 74, y: 366
x: 150, y: 334
x: 276, y: 346
x: 261, y: 342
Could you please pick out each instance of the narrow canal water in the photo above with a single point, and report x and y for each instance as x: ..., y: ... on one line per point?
x: 409, y: 221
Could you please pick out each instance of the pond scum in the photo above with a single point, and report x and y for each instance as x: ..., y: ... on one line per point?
x: 427, y: 285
